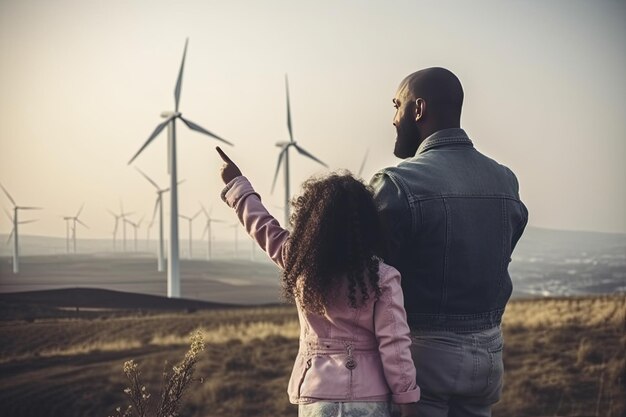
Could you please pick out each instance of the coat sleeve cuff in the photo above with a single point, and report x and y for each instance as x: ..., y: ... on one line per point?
x: 411, y: 396
x: 237, y: 189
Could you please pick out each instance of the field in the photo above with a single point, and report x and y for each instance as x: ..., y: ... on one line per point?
x: 563, y: 357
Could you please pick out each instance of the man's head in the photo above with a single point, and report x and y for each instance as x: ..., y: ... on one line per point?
x: 426, y: 101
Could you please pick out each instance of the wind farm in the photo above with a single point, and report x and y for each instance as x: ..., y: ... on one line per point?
x: 108, y: 257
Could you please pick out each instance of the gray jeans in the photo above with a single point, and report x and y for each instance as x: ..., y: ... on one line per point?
x: 460, y: 374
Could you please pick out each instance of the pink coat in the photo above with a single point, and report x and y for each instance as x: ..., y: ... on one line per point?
x: 347, y: 354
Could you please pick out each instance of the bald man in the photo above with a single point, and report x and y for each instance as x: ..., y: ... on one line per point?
x: 453, y: 217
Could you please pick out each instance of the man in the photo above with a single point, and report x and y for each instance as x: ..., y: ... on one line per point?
x: 453, y: 217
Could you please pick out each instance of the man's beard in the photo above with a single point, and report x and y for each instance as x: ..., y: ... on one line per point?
x: 407, y: 141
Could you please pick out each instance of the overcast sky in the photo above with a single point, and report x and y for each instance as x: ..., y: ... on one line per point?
x: 84, y: 82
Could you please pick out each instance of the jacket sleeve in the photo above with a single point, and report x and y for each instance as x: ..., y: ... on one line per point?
x: 393, y: 336
x: 258, y: 222
x: 394, y: 213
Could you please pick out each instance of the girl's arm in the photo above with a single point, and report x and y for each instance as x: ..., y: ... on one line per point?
x: 253, y: 215
x: 394, y: 341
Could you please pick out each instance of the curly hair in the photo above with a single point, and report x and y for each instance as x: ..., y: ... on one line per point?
x: 336, y: 237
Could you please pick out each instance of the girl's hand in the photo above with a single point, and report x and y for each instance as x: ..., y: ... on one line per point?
x: 229, y: 170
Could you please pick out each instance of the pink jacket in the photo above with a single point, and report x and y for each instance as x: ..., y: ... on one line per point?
x: 347, y: 354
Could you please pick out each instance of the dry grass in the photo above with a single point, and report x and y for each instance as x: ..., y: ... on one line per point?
x: 563, y: 357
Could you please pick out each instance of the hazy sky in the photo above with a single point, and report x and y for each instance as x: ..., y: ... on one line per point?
x: 84, y: 82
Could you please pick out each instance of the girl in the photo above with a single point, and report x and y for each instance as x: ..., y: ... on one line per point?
x: 354, y: 340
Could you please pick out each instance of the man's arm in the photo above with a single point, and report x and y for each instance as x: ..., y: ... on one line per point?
x: 395, y: 215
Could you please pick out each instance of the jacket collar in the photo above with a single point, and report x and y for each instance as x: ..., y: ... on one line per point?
x: 444, y: 137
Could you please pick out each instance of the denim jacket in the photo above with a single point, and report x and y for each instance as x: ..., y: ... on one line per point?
x: 453, y: 217
x: 346, y: 354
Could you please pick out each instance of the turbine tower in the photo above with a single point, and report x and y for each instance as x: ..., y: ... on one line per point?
x: 190, y: 220
x: 208, y: 230
x: 67, y: 233
x: 14, y: 231
x: 118, y: 217
x: 173, y: 272
x: 284, y: 156
x: 158, y: 205
x: 75, y: 220
x: 135, y: 226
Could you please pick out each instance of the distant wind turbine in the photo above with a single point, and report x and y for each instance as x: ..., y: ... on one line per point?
x: 14, y: 231
x: 118, y: 217
x: 190, y: 220
x: 135, y: 226
x: 75, y: 220
x: 173, y: 272
x: 158, y: 205
x: 284, y: 156
x: 208, y: 230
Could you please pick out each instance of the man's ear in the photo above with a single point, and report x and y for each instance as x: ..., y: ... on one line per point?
x: 420, y: 108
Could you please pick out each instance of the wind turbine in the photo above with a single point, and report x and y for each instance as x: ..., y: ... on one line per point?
x: 135, y: 227
x: 158, y: 205
x: 173, y: 272
x: 118, y: 217
x: 14, y: 231
x: 75, y: 220
x: 67, y: 232
x: 284, y: 155
x: 190, y: 220
x: 207, y: 228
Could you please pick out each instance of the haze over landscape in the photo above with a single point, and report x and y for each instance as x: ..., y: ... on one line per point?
x: 85, y: 82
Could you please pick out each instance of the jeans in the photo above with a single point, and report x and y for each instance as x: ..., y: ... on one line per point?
x: 345, y: 409
x: 460, y: 374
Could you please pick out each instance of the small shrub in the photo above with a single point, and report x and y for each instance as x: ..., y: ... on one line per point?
x: 173, y: 388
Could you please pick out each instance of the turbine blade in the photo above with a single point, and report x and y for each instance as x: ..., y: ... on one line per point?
x: 82, y: 223
x: 27, y: 221
x: 80, y: 210
x: 112, y: 214
x: 288, y: 110
x: 147, y: 177
x: 8, y: 215
x: 206, y: 229
x: 179, y: 81
x: 154, y: 212
x: 154, y: 134
x: 197, y: 214
x: 191, y: 125
x: 305, y: 153
x: 30, y: 208
x: 11, y: 235
x: 8, y: 195
x: 363, y: 163
x: 206, y: 213
x: 280, y: 159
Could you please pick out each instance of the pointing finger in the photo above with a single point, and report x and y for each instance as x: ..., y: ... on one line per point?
x: 225, y: 157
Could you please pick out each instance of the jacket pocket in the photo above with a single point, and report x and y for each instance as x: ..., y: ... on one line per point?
x: 325, y: 376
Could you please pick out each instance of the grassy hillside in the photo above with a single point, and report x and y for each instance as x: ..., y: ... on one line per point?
x: 563, y: 357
